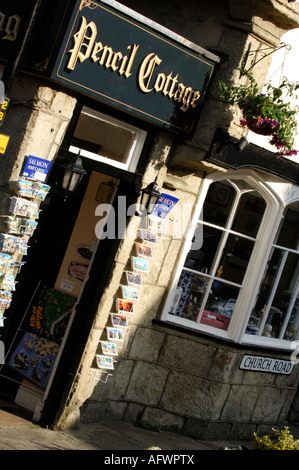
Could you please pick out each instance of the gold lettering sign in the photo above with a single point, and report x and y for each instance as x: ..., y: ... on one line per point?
x: 150, y: 78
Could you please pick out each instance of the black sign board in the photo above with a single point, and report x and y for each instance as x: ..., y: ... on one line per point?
x: 121, y: 61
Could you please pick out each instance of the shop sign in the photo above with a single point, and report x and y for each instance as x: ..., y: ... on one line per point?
x: 4, y: 139
x: 266, y: 364
x: 36, y: 168
x: 164, y: 205
x: 123, y: 62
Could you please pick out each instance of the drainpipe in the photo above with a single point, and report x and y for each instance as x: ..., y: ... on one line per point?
x: 14, y: 62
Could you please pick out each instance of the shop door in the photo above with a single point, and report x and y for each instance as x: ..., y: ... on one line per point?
x: 62, y: 262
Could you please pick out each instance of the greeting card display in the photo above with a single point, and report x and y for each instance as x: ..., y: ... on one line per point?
x: 34, y: 358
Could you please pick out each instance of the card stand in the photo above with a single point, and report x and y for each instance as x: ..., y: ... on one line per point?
x: 8, y: 283
x: 24, y: 187
x: 32, y: 189
x: 125, y: 305
x: 2, y: 318
x: 97, y: 374
x: 8, y: 244
x: 24, y: 208
x: 16, y: 225
x: 40, y: 190
x: 5, y: 300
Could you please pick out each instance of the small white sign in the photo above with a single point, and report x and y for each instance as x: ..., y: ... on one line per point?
x: 266, y: 364
x: 67, y: 285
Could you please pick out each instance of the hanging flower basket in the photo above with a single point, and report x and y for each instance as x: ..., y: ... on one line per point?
x: 259, y: 125
x: 265, y: 114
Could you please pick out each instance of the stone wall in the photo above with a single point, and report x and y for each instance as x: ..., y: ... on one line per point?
x: 168, y: 379
x: 191, y: 385
x: 41, y: 116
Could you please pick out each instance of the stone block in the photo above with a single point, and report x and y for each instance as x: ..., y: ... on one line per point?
x: 160, y: 419
x: 146, y: 384
x: 192, y: 396
x: 265, y: 409
x: 187, y: 355
x: 224, y: 366
x: 63, y: 105
x: 146, y: 345
x: 206, y: 430
x: 116, y: 386
x: 133, y: 413
x: 240, y: 403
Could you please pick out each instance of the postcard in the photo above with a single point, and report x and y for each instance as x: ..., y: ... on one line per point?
x: 139, y: 264
x: 134, y: 278
x: 126, y: 306
x: 119, y: 320
x: 154, y: 222
x: 104, y: 362
x: 144, y: 250
x: 115, y: 334
x: 109, y: 348
x: 149, y: 236
x: 129, y: 292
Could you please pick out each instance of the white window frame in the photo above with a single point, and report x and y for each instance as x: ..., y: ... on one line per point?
x: 278, y: 194
x: 135, y: 150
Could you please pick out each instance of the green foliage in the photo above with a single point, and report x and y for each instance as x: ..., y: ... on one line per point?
x: 269, y: 108
x: 283, y: 440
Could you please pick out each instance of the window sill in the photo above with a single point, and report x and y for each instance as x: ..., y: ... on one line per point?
x: 249, y: 341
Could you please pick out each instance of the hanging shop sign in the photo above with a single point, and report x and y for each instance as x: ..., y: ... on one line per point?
x: 125, y: 63
x: 164, y: 205
x: 36, y: 168
x: 266, y: 364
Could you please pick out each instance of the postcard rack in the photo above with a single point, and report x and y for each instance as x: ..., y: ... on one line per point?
x: 125, y: 305
x: 17, y: 228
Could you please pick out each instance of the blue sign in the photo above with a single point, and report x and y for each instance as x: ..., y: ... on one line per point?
x: 164, y: 205
x: 36, y: 168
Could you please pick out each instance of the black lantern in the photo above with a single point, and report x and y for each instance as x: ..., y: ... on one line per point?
x: 150, y: 196
x: 73, y: 173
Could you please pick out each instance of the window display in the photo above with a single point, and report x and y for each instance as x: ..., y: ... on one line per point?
x: 214, y: 287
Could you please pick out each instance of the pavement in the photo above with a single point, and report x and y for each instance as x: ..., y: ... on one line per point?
x: 19, y: 432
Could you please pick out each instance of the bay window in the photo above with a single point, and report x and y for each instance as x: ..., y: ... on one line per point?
x: 238, y: 273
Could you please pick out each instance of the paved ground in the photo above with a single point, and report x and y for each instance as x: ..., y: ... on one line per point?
x: 18, y: 432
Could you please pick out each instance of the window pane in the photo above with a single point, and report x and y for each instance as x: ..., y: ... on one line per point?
x: 289, y: 233
x: 276, y: 313
x: 249, y: 214
x: 202, y: 258
x: 220, y: 305
x: 235, y: 258
x: 190, y: 294
x: 218, y: 203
